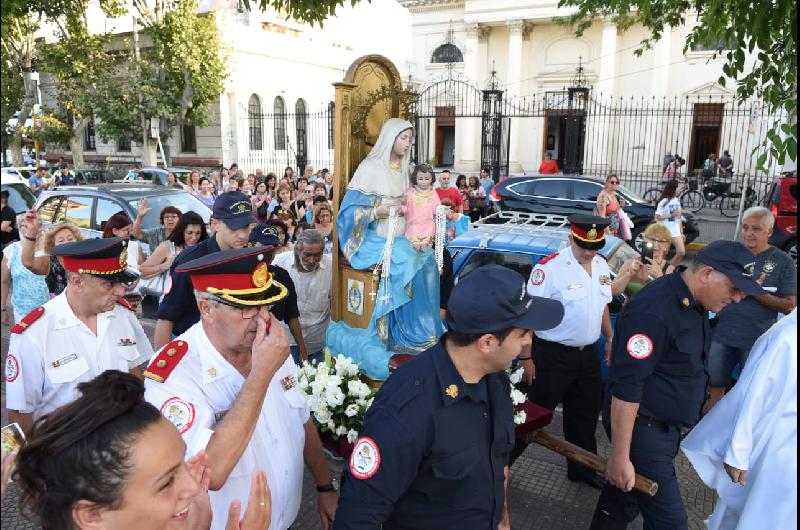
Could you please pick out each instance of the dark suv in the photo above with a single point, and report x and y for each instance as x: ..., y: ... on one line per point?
x: 570, y: 194
x: 89, y: 207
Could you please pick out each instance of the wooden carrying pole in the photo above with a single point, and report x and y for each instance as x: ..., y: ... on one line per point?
x: 582, y: 456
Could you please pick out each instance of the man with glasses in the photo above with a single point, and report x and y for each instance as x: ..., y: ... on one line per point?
x: 230, y: 388
x: 77, y: 335
x: 231, y: 221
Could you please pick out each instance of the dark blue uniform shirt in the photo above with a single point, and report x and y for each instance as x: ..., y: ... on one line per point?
x: 443, y: 446
x: 180, y: 307
x: 660, y: 342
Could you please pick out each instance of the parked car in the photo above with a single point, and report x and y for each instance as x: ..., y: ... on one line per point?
x: 89, y: 207
x: 17, y: 174
x: 158, y: 175
x: 571, y: 194
x: 782, y: 202
x: 93, y: 176
x: 520, y: 242
x: 20, y: 197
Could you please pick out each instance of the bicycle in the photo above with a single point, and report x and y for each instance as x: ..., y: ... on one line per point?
x: 715, y: 189
x: 690, y: 198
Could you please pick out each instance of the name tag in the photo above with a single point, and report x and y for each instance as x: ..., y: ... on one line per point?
x: 64, y: 360
x: 288, y: 382
x: 573, y: 286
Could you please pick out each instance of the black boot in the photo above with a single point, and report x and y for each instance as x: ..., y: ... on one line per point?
x: 601, y: 520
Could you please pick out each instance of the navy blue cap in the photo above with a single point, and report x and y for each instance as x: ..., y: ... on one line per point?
x: 234, y: 209
x: 734, y: 261
x: 238, y: 276
x: 106, y: 258
x: 588, y: 231
x: 493, y: 298
x: 267, y: 235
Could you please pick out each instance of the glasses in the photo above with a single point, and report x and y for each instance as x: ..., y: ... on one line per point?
x: 659, y: 241
x: 613, y: 182
x: 248, y: 313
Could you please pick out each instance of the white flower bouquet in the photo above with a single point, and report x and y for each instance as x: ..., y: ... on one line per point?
x: 337, y: 398
x: 517, y: 397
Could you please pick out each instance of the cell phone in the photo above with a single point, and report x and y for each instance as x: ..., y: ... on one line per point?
x: 12, y: 439
x: 647, y: 251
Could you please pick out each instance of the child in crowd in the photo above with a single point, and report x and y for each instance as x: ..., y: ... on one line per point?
x: 421, y: 203
x: 457, y: 223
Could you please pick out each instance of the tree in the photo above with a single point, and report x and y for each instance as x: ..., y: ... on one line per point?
x: 313, y: 12
x: 767, y: 29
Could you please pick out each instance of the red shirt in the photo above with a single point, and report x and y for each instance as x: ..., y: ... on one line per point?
x: 548, y: 167
x: 453, y: 194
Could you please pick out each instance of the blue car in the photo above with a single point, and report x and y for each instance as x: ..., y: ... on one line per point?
x: 518, y: 240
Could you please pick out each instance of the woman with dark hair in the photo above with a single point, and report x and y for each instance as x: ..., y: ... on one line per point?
x: 110, y: 460
x: 668, y: 213
x: 190, y: 230
x: 206, y: 194
x: 261, y: 201
x: 272, y: 184
x: 119, y: 225
x: 477, y: 198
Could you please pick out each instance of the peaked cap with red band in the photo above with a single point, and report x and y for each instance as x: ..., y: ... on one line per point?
x: 106, y: 258
x: 238, y: 277
x: 588, y: 231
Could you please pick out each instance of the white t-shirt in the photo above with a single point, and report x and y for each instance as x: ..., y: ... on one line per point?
x: 670, y: 207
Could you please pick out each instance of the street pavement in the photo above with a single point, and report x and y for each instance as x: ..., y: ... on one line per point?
x: 540, y: 497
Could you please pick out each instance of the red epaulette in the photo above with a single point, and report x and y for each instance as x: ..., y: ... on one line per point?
x: 27, y: 320
x: 124, y: 303
x: 167, y: 359
x: 547, y: 258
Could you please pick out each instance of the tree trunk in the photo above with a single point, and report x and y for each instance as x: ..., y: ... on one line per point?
x: 148, y: 150
x: 76, y: 141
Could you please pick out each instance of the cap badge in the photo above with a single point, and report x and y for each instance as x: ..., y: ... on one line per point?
x: 452, y: 391
x: 123, y: 257
x: 260, y: 275
x: 591, y: 234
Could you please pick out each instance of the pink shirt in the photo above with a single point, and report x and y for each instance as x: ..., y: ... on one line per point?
x: 420, y: 212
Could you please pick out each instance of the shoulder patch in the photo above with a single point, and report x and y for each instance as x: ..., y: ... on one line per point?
x: 124, y: 303
x: 12, y: 368
x: 179, y: 413
x: 167, y: 359
x: 365, y: 460
x: 27, y: 320
x: 640, y: 346
x: 547, y: 258
x: 537, y: 276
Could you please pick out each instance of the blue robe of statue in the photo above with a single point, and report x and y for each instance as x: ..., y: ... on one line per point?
x: 408, y: 320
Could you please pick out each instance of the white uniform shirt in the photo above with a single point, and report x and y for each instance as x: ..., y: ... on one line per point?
x: 57, y: 352
x: 198, y: 393
x: 313, y: 298
x: 562, y: 278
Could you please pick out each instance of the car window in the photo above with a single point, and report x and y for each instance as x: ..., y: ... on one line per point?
x: 585, y: 191
x: 522, y: 263
x: 180, y: 199
x: 630, y: 194
x: 78, y: 210
x: 556, y: 189
x: 617, y: 257
x: 20, y: 199
x: 48, y: 209
x: 105, y: 209
x: 523, y: 188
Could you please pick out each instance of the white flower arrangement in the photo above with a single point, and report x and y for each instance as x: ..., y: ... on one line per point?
x: 517, y: 397
x: 337, y: 399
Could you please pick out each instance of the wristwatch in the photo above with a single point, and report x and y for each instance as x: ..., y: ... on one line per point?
x: 333, y: 486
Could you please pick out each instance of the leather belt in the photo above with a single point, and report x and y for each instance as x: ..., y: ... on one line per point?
x: 646, y: 421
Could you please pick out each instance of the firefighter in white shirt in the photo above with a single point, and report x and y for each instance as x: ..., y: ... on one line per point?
x: 77, y: 335
x: 229, y: 385
x: 564, y: 360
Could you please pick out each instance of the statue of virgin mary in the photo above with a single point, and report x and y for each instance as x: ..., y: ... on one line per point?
x: 371, y: 232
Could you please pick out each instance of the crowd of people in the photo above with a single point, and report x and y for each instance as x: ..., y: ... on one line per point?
x: 205, y: 426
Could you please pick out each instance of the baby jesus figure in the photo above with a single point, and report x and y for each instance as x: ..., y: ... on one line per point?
x: 421, y: 203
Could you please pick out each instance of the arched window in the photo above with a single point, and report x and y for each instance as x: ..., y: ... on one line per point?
x: 279, y: 109
x: 255, y: 120
x: 300, y: 126
x: 447, y: 53
x: 331, y: 123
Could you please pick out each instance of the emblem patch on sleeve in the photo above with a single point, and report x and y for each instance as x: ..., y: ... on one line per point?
x: 537, y: 277
x: 12, y: 368
x: 179, y: 413
x: 640, y: 346
x: 365, y: 459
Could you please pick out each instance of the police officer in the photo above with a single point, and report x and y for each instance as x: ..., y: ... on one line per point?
x: 229, y: 387
x: 231, y: 221
x: 435, y: 443
x: 656, y: 382
x: 77, y: 335
x: 567, y: 364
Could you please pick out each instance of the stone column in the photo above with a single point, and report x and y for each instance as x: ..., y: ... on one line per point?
x: 467, y: 128
x: 601, y: 131
x: 661, y: 140
x: 515, y: 30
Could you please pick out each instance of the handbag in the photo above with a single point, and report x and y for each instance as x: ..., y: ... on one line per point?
x: 155, y: 286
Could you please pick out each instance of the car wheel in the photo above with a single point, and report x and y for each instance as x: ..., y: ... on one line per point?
x: 637, y: 235
x: 791, y: 249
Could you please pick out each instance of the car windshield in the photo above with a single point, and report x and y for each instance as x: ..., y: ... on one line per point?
x: 20, y: 199
x: 630, y: 193
x: 97, y: 175
x: 181, y: 200
x: 182, y: 176
x: 619, y: 255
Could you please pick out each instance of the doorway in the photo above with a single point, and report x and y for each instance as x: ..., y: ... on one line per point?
x: 445, y: 136
x: 706, y: 133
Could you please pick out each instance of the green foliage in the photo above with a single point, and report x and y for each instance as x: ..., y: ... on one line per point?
x: 767, y: 29
x: 310, y: 11
x: 11, y: 94
x: 49, y: 127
